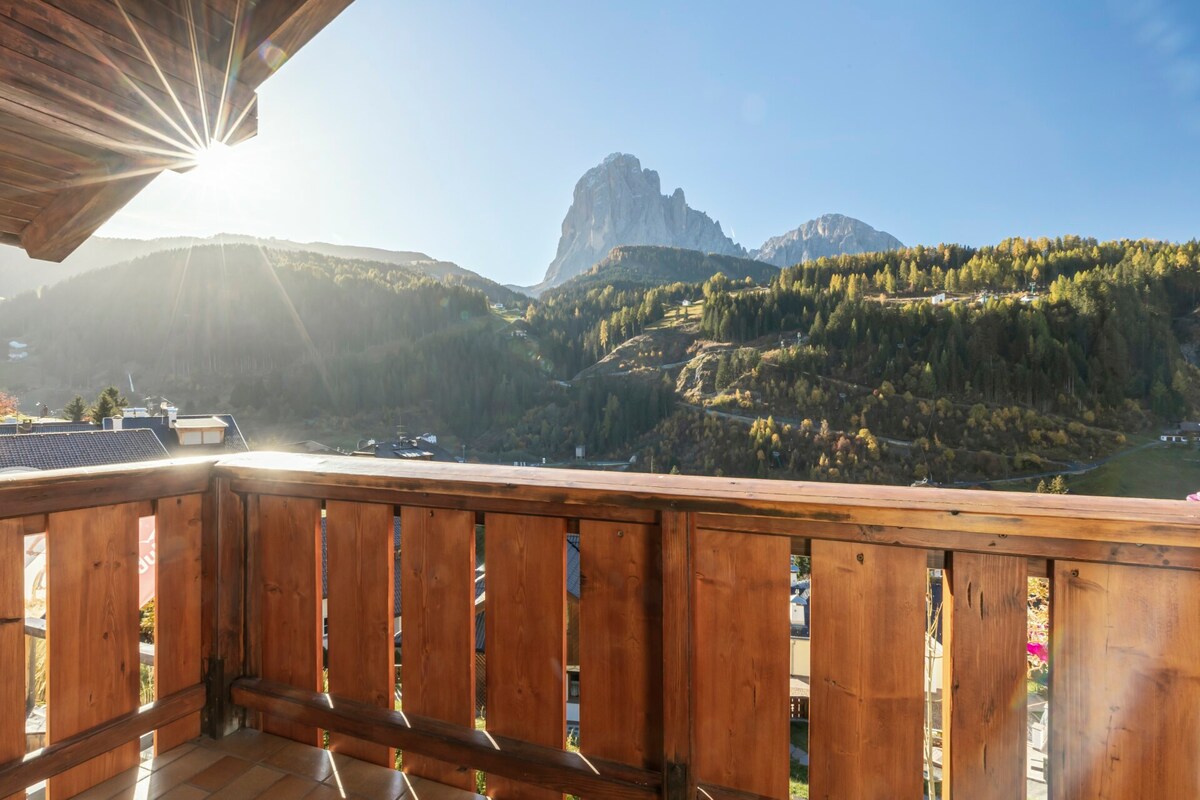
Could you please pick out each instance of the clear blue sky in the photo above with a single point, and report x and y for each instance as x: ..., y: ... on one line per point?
x: 460, y: 128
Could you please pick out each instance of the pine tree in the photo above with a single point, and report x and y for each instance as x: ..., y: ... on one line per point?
x: 76, y: 409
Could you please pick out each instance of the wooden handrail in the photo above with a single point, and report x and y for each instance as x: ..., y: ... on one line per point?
x: 1114, y: 530
x: 26, y: 494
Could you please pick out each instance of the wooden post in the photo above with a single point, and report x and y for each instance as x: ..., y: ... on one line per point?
x: 223, y: 581
x: 679, y: 728
x: 12, y: 643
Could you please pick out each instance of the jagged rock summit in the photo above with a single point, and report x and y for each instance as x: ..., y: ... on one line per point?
x: 827, y: 235
x: 619, y: 203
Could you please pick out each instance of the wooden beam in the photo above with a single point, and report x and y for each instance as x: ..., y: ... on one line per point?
x: 75, y: 215
x: 493, y: 753
x: 278, y: 29
x: 71, y: 752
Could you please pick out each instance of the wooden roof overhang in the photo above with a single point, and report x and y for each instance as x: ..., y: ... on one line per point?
x: 97, y: 97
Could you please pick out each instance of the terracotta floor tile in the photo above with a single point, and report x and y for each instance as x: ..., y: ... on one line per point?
x: 220, y: 773
x: 250, y: 784
x: 302, y: 760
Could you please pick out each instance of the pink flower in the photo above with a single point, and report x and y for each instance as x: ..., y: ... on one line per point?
x: 1038, y: 651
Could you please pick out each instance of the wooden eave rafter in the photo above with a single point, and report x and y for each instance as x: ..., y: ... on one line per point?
x: 97, y: 97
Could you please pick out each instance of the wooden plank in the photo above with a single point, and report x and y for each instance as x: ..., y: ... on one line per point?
x: 985, y: 612
x: 1124, y: 682
x: 171, y: 61
x: 289, y: 590
x: 501, y: 757
x: 868, y: 639
x: 85, y: 746
x: 621, y: 648
x: 12, y: 644
x: 92, y: 613
x: 437, y: 563
x: 177, y: 609
x: 740, y: 636
x: 526, y: 636
x: 679, y: 729
x: 361, y: 650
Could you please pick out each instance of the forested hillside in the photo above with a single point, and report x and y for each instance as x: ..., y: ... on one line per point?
x: 951, y: 364
x: 647, y: 265
x: 286, y: 333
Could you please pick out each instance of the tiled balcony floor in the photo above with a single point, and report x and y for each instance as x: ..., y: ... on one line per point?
x: 249, y: 765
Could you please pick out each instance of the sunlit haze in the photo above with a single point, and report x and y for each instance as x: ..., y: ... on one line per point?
x: 460, y: 128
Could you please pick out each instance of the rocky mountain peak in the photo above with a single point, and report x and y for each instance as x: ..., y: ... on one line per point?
x: 827, y: 235
x: 617, y: 202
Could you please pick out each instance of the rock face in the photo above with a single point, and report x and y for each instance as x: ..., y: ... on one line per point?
x: 828, y: 235
x: 619, y: 203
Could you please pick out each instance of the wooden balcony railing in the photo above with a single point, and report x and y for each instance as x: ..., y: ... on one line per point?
x: 683, y: 619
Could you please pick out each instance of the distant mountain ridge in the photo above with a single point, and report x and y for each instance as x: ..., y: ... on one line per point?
x: 19, y: 273
x: 646, y: 265
x: 618, y: 203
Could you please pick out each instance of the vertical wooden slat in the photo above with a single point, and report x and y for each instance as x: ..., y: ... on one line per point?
x: 526, y: 637
x: 289, y: 608
x: 620, y: 669
x: 177, y: 610
x: 868, y: 637
x: 740, y: 637
x: 437, y: 561
x: 984, y: 677
x: 361, y: 648
x: 679, y: 732
x: 223, y: 603
x: 92, y: 632
x: 1124, y: 682
x: 12, y: 642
